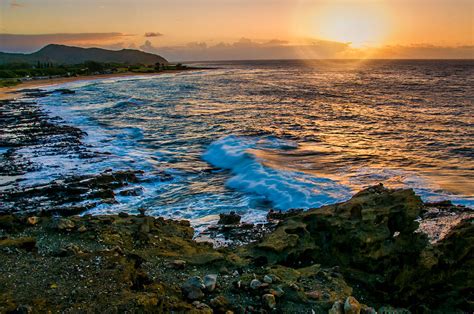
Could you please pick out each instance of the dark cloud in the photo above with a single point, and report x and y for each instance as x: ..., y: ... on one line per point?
x: 153, y: 34
x: 30, y: 43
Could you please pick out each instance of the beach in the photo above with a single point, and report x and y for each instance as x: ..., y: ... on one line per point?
x: 9, y: 92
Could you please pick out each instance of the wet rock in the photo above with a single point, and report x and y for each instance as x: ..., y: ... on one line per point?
x: 255, y: 284
x: 192, y: 288
x: 269, y: 301
x: 280, y: 215
x: 231, y: 218
x: 210, y: 282
x: 66, y: 224
x: 64, y: 91
x: 132, y: 192
x: 352, y: 306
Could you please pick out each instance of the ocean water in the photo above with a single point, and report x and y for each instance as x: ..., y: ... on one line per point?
x: 250, y: 136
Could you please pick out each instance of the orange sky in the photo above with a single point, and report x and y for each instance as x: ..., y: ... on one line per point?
x: 384, y: 28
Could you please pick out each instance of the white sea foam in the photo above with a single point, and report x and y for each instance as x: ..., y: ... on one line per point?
x: 285, y: 189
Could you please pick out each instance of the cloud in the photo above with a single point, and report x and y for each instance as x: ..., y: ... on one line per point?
x: 248, y: 49
x: 148, y: 47
x: 15, y: 4
x: 153, y: 34
x: 30, y: 43
x: 415, y: 51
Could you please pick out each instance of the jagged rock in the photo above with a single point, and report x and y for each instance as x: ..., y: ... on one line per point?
x: 351, y: 306
x: 231, y: 218
x: 192, y: 288
x: 210, y: 282
x: 255, y: 284
x: 269, y: 301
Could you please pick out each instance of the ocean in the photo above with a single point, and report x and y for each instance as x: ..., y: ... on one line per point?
x: 250, y: 136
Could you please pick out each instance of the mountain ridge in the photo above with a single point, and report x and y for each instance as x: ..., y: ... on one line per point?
x: 62, y: 54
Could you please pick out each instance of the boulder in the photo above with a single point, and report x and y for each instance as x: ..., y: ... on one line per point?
x: 231, y: 218
x: 192, y: 288
x: 351, y: 306
x: 210, y: 282
x: 269, y: 301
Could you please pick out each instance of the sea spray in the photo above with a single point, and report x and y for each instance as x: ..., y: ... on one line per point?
x: 285, y: 189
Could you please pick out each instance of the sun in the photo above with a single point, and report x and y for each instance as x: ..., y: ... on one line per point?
x: 359, y: 23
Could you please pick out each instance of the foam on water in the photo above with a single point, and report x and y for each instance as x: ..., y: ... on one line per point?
x: 239, y: 119
x: 285, y: 189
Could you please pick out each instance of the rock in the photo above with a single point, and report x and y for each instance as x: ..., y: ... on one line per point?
x: 223, y: 270
x: 33, y: 220
x: 277, y: 292
x: 368, y: 310
x: 269, y: 301
x: 192, y: 288
x: 255, y: 284
x: 392, y: 310
x: 337, y: 308
x: 82, y: 229
x: 66, y: 224
x: 267, y: 279
x: 24, y: 309
x: 315, y: 295
x: 352, y: 306
x: 210, y: 282
x: 26, y: 243
x: 229, y: 219
x: 220, y: 303
x: 178, y: 264
x: 132, y: 192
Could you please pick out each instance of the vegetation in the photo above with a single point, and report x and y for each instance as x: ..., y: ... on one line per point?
x: 11, y: 71
x: 9, y: 82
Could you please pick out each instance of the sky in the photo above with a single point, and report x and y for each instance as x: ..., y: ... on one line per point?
x: 187, y: 30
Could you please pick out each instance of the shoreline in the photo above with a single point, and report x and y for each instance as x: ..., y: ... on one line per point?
x: 367, y: 248
x: 11, y: 92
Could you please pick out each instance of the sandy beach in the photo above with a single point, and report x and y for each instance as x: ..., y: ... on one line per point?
x: 9, y: 92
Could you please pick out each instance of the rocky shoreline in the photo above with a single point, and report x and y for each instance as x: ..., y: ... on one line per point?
x: 361, y: 256
x: 382, y: 251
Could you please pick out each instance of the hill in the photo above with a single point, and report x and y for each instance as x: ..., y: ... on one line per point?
x: 60, y: 54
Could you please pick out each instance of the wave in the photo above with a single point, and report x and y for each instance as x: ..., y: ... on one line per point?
x: 284, y: 189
